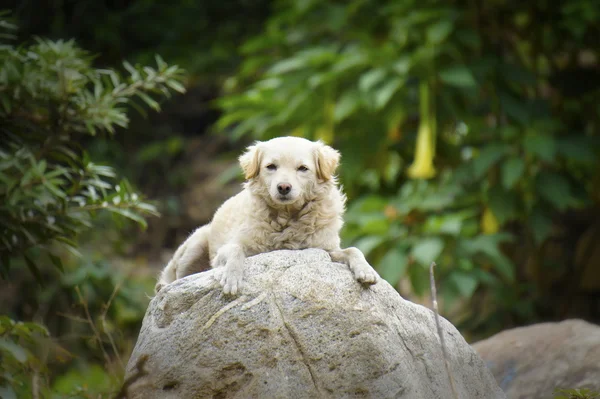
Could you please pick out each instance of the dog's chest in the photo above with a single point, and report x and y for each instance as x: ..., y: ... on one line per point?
x: 286, y: 232
x: 290, y: 233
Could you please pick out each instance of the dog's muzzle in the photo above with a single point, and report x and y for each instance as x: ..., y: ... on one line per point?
x: 284, y: 188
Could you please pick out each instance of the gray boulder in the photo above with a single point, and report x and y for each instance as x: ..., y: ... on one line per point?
x: 530, y: 362
x: 303, y: 328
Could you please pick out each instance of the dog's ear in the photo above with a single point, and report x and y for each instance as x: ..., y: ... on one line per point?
x: 327, y: 161
x: 250, y: 161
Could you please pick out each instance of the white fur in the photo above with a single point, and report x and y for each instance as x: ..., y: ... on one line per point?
x: 261, y: 219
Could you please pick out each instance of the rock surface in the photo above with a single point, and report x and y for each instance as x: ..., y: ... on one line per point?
x: 303, y: 328
x: 530, y: 362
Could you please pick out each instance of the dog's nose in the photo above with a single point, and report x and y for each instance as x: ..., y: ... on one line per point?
x: 284, y: 188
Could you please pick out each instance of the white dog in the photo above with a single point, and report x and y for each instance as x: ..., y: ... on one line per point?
x: 290, y: 201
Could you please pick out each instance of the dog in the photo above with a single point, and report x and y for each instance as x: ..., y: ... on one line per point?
x: 290, y: 200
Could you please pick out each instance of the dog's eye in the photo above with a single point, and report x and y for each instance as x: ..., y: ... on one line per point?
x: 303, y: 168
x: 271, y: 167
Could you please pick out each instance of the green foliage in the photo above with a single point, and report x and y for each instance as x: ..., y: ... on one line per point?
x: 575, y: 394
x: 202, y: 35
x: 52, y: 102
x: 52, y: 98
x: 106, y: 304
x: 380, y: 78
x: 467, y: 130
x: 110, y: 302
x: 18, y: 342
x: 87, y: 382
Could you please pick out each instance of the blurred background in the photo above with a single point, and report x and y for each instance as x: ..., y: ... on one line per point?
x: 469, y: 132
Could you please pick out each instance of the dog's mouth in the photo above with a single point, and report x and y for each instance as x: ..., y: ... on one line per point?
x: 284, y: 198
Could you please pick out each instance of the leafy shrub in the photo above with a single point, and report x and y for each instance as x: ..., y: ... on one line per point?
x: 52, y: 101
x: 20, y: 363
x: 456, y: 131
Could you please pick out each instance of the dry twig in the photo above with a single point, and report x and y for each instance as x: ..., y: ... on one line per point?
x: 108, y: 334
x: 90, y: 321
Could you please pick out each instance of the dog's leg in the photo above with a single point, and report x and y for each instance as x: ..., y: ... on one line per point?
x: 231, y: 257
x: 195, y: 256
x: 354, y: 258
x: 190, y: 258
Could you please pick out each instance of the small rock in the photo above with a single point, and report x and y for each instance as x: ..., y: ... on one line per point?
x: 530, y: 362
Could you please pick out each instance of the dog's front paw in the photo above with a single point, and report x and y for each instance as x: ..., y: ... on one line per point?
x: 231, y: 281
x: 220, y: 260
x: 364, y: 273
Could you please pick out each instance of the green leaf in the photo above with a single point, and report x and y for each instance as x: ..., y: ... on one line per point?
x: 149, y: 101
x: 287, y: 65
x: 544, y: 146
x: 370, y: 203
x: 368, y: 244
x: 377, y: 224
x: 402, y: 66
x: 346, y: 105
x: 541, y: 225
x: 488, y: 245
x: 419, y: 279
x: 514, y: 108
x: 555, y: 189
x: 458, y: 76
x: 447, y: 223
x: 16, y: 351
x: 130, y: 215
x: 504, y: 267
x: 175, y: 85
x: 512, y: 170
x: 149, y: 209
x: 578, y: 149
x: 53, y: 189
x: 352, y: 59
x: 160, y: 62
x: 371, y: 78
x: 487, y: 157
x: 383, y: 95
x: 465, y: 283
x: 503, y: 204
x: 34, y: 270
x: 28, y: 328
x: 439, y: 31
x: 427, y: 250
x: 95, y: 377
x: 469, y: 37
x: 393, y: 265
x: 485, y: 277
x: 393, y: 167
x: 56, y: 262
x: 135, y: 75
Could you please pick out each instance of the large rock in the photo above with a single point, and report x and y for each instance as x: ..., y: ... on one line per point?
x: 303, y: 328
x: 530, y: 362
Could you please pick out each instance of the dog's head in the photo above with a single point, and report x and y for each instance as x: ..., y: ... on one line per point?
x: 287, y: 170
